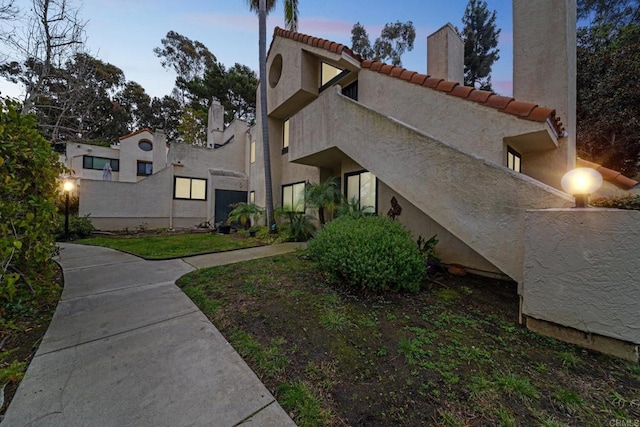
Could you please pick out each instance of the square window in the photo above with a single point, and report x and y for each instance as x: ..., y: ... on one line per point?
x: 189, y: 188
x: 145, y: 168
x: 293, y: 197
x: 363, y: 187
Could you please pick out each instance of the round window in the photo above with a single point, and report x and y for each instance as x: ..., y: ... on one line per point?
x: 275, y: 71
x: 145, y: 145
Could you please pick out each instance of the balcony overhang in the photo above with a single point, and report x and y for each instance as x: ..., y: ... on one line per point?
x: 541, y: 140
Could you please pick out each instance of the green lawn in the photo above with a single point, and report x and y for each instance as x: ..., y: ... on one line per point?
x: 452, y: 354
x: 173, y: 246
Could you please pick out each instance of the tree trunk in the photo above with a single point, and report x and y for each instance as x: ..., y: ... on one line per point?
x: 262, y: 42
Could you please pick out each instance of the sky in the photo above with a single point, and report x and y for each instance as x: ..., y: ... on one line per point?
x: 124, y: 32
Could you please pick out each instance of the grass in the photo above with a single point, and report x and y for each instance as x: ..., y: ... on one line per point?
x: 172, y: 246
x: 335, y: 357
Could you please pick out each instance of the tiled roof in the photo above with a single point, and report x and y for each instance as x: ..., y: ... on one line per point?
x: 614, y: 177
x: 135, y: 133
x: 316, y: 42
x: 524, y: 110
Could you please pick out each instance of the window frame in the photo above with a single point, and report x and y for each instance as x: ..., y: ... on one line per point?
x: 144, y: 172
x: 144, y: 142
x: 252, y: 152
x: 292, y: 185
x: 191, y: 180
x: 346, y: 187
x: 286, y: 134
x: 115, y: 167
x: 512, y: 156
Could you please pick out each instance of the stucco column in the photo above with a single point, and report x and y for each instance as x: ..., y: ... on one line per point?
x: 544, y: 65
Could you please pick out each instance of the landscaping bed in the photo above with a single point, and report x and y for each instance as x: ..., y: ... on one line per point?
x: 452, y: 354
x: 22, y: 327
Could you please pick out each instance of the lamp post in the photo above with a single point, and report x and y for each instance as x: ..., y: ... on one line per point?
x: 580, y: 183
x: 67, y: 187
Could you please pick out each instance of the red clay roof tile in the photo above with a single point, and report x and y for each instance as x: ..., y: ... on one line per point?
x: 129, y: 135
x: 479, y: 95
x: 376, y: 66
x: 541, y: 114
x: 461, y: 91
x: 419, y: 78
x: 407, y: 75
x: 396, y: 72
x: 446, y: 86
x: 519, y: 108
x: 524, y: 110
x: 610, y: 175
x: 386, y: 68
x: 498, y: 101
x: 432, y: 82
x: 625, y: 182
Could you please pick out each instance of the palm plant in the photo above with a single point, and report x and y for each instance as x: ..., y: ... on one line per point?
x: 324, y: 197
x: 291, y: 23
x: 297, y: 225
x: 244, y: 213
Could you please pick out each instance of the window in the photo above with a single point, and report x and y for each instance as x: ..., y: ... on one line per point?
x: 190, y: 188
x: 514, y: 160
x: 328, y: 73
x: 145, y: 145
x: 252, y: 152
x: 285, y: 136
x: 91, y: 162
x: 351, y: 91
x: 252, y: 197
x: 362, y: 187
x: 293, y: 197
x: 145, y: 168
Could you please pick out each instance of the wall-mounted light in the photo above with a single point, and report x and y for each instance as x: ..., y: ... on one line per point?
x: 580, y: 183
x: 68, y: 187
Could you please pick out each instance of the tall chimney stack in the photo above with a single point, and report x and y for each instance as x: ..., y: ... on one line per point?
x: 445, y: 54
x: 544, y: 68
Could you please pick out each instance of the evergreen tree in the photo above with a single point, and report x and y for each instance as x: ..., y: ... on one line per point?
x: 480, y: 36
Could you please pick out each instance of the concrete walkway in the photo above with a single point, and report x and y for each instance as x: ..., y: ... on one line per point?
x: 127, y: 348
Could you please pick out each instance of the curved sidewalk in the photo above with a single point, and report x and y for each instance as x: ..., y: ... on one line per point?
x: 126, y: 347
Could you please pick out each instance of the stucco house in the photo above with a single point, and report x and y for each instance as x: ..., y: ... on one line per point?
x: 156, y: 185
x: 480, y: 170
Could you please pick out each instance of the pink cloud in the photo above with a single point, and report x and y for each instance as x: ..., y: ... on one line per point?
x: 503, y: 87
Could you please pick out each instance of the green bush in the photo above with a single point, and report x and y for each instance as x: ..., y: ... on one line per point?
x: 29, y: 171
x: 621, y: 202
x: 370, y: 252
x: 79, y: 227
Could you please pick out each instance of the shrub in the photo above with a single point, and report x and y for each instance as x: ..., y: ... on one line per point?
x: 29, y: 170
x: 79, y: 227
x: 620, y: 202
x: 370, y: 252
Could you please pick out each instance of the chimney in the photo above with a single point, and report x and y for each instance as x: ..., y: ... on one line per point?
x: 445, y: 54
x: 215, y: 124
x: 544, y: 66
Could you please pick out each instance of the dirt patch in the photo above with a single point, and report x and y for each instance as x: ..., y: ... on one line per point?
x: 452, y: 354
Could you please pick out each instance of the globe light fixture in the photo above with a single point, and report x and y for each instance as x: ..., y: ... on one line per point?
x: 580, y: 183
x: 68, y: 188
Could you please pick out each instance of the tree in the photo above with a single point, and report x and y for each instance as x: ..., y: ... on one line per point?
x: 615, y: 12
x: 480, y: 37
x: 55, y: 33
x: 395, y: 39
x: 192, y: 127
x: 608, y: 105
x: 291, y: 23
x: 324, y: 197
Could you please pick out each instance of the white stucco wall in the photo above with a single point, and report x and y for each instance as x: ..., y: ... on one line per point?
x: 74, y: 160
x: 466, y: 125
x: 130, y: 154
x: 581, y: 270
